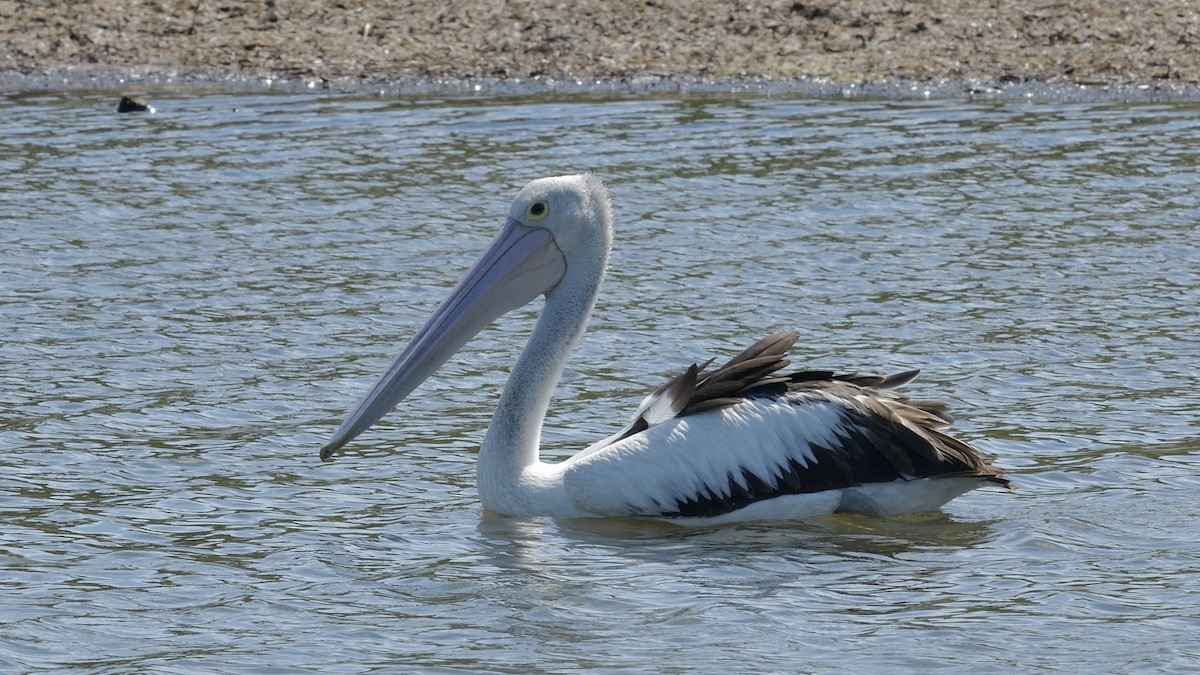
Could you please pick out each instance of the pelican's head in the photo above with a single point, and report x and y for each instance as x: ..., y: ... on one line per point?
x: 575, y: 210
x: 558, y: 228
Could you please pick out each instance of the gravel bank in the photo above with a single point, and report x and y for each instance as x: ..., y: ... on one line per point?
x: 1151, y: 44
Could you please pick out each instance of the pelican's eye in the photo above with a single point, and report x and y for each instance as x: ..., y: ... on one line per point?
x: 537, y: 211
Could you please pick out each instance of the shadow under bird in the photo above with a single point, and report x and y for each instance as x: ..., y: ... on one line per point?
x: 745, y: 441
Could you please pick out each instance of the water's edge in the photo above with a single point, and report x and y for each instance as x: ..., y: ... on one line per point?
x: 893, y: 89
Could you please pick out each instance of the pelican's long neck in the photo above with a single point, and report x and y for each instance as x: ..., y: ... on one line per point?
x: 512, y: 441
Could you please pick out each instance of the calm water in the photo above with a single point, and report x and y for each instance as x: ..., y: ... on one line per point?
x: 191, y: 301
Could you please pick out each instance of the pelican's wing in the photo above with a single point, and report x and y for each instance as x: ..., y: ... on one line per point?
x: 747, y: 374
x: 752, y: 373
x: 819, y: 435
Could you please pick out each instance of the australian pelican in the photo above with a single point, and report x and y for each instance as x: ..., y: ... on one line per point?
x: 745, y: 441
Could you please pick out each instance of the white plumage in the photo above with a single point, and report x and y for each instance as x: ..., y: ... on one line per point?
x: 744, y: 442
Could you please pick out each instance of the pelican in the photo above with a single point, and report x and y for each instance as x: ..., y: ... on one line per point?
x: 742, y: 442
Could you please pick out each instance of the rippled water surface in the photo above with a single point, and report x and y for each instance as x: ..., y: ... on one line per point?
x: 192, y: 300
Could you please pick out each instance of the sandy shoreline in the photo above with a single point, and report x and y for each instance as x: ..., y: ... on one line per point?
x: 978, y: 46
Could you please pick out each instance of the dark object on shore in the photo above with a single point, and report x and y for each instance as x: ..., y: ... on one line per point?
x: 128, y: 104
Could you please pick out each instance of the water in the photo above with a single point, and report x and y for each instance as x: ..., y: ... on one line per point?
x: 193, y: 300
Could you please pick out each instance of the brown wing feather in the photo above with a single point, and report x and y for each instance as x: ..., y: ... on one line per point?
x: 747, y: 374
x: 915, y: 445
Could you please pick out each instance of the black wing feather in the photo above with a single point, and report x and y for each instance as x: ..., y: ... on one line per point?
x: 886, y: 435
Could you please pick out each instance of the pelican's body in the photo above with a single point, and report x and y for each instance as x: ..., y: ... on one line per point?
x: 744, y: 442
